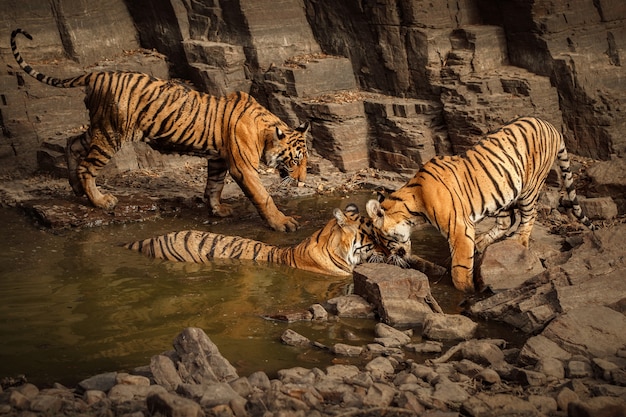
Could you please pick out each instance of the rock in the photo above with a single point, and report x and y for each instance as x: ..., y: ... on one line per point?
x: 482, y: 404
x: 604, y: 368
x: 507, y: 264
x: 379, y: 395
x: 539, y: 348
x: 379, y: 367
x: 444, y: 327
x: 390, y: 337
x: 164, y: 372
x: 488, y: 376
x: 603, y: 208
x: 609, y: 178
x: 346, y: 373
x: 597, y: 407
x: 351, y: 306
x: 173, y: 405
x: 543, y: 403
x: 201, y: 359
x: 217, y: 393
x: 92, y: 397
x: 592, y: 331
x: 101, y: 382
x: 551, y: 367
x: 242, y: 386
x: 481, y: 352
x: 578, y: 369
x: 347, y: 350
x: 428, y: 346
x: 292, y: 338
x: 127, y: 379
x: 319, y: 312
x: 260, y: 380
x: 591, y: 276
x: 122, y: 393
x: 19, y: 400
x: 46, y: 404
x: 450, y: 393
x: 400, y: 296
x: 564, y: 397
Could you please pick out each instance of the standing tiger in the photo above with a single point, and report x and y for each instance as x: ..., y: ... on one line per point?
x: 336, y: 249
x: 504, y: 171
x: 235, y: 133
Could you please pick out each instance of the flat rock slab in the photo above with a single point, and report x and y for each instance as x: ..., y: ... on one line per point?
x: 400, y: 296
x: 71, y: 213
x: 507, y: 264
x: 599, y: 331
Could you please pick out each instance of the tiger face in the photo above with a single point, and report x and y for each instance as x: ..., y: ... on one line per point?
x: 393, y: 231
x: 289, y: 153
x: 355, y: 236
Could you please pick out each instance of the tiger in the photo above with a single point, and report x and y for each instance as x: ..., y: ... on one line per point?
x: 503, y: 172
x: 344, y: 242
x: 234, y: 132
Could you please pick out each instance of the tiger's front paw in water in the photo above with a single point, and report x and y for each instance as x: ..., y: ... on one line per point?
x: 286, y: 224
x: 222, y: 210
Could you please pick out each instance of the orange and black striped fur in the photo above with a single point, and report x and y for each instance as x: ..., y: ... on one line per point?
x: 336, y: 249
x: 503, y: 172
x: 235, y: 133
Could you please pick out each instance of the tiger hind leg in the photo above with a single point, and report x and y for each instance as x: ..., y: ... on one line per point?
x: 504, y: 221
x: 75, y: 151
x: 101, y: 150
x: 216, y: 173
x: 528, y: 215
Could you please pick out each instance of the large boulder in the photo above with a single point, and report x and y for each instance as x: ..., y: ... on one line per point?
x: 401, y: 297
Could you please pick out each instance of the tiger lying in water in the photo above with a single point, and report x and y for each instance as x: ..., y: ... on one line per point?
x: 234, y: 133
x: 336, y: 249
x: 504, y: 171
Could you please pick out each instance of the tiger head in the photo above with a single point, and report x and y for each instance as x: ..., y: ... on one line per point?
x: 351, y: 237
x: 392, y: 228
x: 288, y: 153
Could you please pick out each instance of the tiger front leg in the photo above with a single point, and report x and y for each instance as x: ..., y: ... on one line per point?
x: 87, y: 175
x: 252, y: 187
x: 216, y: 173
x: 462, y: 250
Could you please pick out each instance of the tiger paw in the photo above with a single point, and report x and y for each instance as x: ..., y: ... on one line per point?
x: 222, y: 210
x: 106, y: 202
x: 286, y: 224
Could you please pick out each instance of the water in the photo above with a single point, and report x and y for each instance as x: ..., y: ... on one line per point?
x: 75, y: 304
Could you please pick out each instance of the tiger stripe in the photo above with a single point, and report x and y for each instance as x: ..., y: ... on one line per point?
x: 503, y: 172
x: 235, y: 133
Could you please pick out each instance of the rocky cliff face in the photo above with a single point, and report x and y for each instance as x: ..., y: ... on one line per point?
x: 387, y: 84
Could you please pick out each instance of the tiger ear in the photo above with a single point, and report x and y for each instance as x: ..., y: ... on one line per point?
x: 352, y: 208
x: 303, y: 128
x: 341, y: 218
x: 279, y: 134
x: 376, y: 212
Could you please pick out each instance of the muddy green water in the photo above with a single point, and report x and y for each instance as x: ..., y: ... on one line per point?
x: 74, y: 304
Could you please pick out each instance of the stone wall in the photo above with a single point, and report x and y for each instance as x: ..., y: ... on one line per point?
x: 421, y: 77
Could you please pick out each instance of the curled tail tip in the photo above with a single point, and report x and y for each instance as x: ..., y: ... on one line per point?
x: 23, y: 32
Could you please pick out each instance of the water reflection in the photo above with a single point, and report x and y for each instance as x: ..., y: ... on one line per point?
x: 75, y: 304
